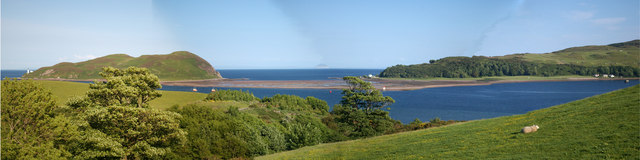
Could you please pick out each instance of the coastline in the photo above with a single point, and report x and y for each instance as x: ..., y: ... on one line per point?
x: 387, y: 84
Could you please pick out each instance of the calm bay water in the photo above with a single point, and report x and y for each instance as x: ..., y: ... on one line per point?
x: 457, y: 103
x: 462, y: 103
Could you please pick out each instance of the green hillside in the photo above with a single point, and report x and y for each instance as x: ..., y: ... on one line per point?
x: 181, y: 65
x: 618, y: 54
x: 599, y: 127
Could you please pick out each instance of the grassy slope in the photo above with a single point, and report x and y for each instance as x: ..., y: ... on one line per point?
x: 180, y: 65
x: 603, y: 126
x: 621, y: 54
x: 62, y: 91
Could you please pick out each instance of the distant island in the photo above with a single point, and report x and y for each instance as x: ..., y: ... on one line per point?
x: 180, y: 65
x: 619, y: 59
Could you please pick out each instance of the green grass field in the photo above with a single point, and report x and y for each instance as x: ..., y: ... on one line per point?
x: 601, y: 127
x: 63, y: 90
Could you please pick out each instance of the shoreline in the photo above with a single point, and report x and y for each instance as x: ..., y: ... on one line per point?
x: 387, y: 84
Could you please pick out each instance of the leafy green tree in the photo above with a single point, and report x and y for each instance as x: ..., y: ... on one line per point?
x: 142, y: 132
x: 30, y: 128
x: 115, y: 120
x: 360, y: 113
x: 362, y: 95
x: 129, y: 87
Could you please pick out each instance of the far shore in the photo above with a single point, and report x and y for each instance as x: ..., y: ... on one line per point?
x: 379, y: 83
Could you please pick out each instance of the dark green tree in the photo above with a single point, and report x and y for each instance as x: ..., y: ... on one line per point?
x: 360, y: 113
x: 129, y: 87
x: 362, y: 95
x: 116, y: 121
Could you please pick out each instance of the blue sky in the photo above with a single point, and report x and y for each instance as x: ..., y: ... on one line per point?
x: 285, y: 34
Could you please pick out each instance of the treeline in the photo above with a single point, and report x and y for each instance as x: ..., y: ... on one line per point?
x: 480, y: 66
x: 114, y: 120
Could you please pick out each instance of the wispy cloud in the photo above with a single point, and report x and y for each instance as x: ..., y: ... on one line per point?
x: 608, y: 21
x: 580, y: 15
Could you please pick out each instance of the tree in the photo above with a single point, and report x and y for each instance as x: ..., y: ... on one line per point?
x: 30, y: 128
x: 116, y: 115
x: 360, y: 113
x: 141, y: 132
x: 130, y: 87
x: 362, y: 95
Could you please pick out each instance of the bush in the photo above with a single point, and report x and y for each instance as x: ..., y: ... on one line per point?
x: 231, y: 134
x: 295, y: 103
x: 318, y: 104
x: 232, y: 95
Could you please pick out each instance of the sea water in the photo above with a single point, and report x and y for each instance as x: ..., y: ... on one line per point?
x: 461, y: 103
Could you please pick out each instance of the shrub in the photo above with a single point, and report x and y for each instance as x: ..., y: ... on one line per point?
x: 318, y: 104
x: 232, y: 95
x: 225, y: 134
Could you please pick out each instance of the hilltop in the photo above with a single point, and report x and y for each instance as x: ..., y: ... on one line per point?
x: 617, y: 54
x: 180, y: 65
x: 600, y: 127
x: 619, y: 59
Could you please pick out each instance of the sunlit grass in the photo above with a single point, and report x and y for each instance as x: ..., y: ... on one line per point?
x: 63, y: 90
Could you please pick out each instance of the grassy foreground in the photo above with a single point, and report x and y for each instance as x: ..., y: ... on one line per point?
x: 63, y: 90
x: 603, y: 126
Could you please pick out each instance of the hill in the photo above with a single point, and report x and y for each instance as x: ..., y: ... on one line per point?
x: 181, y: 65
x: 617, y: 54
x: 620, y: 59
x: 600, y: 127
